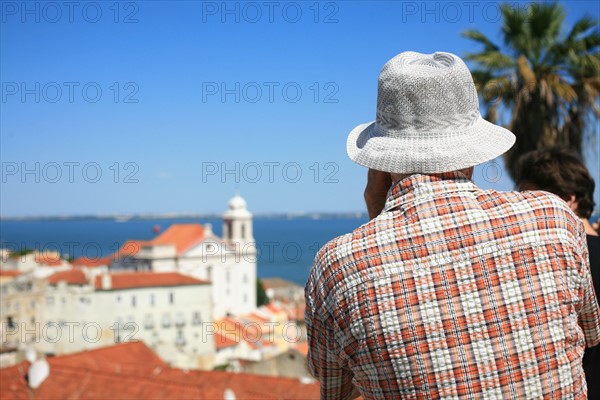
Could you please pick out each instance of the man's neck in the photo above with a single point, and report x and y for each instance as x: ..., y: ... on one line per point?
x: 588, y: 227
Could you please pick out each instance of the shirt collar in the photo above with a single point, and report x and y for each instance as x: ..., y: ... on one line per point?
x: 418, y: 187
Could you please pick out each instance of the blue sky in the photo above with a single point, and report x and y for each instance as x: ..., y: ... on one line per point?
x: 156, y: 107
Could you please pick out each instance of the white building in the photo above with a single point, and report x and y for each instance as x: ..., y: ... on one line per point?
x: 160, y: 291
x: 75, y: 312
x: 193, y: 249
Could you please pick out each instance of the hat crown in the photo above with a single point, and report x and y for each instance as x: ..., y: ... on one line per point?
x: 426, y: 91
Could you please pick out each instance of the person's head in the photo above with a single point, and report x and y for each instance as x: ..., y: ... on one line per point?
x: 427, y: 119
x: 560, y: 171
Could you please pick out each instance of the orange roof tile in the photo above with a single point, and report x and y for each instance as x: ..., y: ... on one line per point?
x: 9, y: 272
x: 132, y: 371
x: 92, y: 262
x: 50, y: 259
x: 71, y: 277
x: 129, y: 356
x: 132, y: 280
x: 182, y: 236
x: 223, y: 341
x: 12, y: 382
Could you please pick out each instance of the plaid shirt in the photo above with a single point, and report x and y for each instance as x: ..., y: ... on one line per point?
x: 454, y: 292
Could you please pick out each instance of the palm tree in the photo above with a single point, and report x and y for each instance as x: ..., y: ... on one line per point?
x: 549, y: 82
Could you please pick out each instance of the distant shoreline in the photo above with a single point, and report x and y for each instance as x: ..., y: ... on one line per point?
x: 141, y: 217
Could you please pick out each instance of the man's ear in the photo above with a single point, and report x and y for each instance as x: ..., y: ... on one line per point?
x: 572, y: 202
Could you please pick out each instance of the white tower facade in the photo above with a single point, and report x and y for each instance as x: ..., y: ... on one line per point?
x: 240, y: 275
x: 237, y: 222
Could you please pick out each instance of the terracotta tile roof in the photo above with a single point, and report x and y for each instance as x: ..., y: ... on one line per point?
x: 9, y: 272
x: 111, y: 372
x: 254, y: 334
x: 50, y: 259
x: 92, y: 262
x: 132, y: 280
x: 123, y: 357
x: 71, y: 277
x: 223, y: 341
x: 182, y: 236
x: 12, y: 382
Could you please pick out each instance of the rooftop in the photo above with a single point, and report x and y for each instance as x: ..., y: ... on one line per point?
x: 71, y: 277
x: 132, y: 371
x: 9, y: 272
x: 182, y: 236
x: 134, y: 280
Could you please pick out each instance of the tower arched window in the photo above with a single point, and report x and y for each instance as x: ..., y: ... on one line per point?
x: 243, y: 231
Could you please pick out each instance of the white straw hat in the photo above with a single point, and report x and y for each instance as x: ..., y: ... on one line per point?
x: 427, y: 120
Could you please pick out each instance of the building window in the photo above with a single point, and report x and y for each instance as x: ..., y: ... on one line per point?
x: 166, y: 320
x: 245, y: 298
x: 179, y: 320
x: 132, y: 301
x: 148, y: 322
x: 243, y: 231
x: 196, y: 318
x: 171, y: 298
x: 229, y: 230
x: 245, y: 278
x: 118, y: 299
x: 180, y: 340
x: 227, y: 276
x: 151, y: 299
x: 209, y: 273
x: 50, y: 300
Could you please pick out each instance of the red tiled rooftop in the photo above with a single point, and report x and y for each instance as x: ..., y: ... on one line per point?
x: 132, y: 371
x: 223, y: 341
x: 12, y: 382
x: 92, y: 262
x: 182, y: 236
x: 50, y: 259
x: 132, y: 280
x: 9, y: 272
x: 71, y: 277
x: 129, y: 356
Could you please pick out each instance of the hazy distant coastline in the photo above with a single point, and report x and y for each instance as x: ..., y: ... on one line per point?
x: 134, y: 217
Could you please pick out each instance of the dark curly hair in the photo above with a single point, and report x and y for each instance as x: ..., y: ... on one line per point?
x: 560, y: 171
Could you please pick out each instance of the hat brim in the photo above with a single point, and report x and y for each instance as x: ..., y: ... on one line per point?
x: 431, y: 152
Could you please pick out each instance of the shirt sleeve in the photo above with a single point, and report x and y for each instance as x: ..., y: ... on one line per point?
x: 323, y: 361
x: 589, y: 311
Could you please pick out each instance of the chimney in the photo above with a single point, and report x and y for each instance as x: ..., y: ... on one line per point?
x: 208, y: 229
x: 38, y: 372
x: 106, y: 283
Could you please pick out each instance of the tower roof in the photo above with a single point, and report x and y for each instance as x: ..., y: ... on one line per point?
x: 237, y: 208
